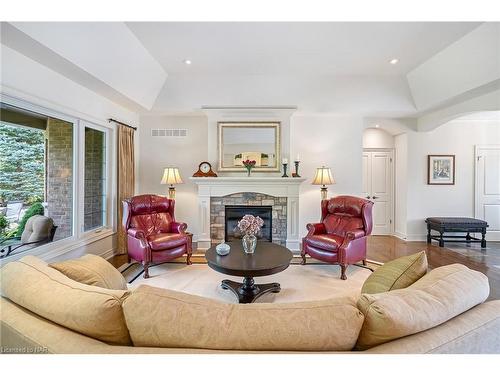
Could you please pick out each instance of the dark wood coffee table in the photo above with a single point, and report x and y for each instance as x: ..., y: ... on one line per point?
x: 268, y: 259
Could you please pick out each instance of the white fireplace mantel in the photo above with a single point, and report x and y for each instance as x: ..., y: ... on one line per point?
x: 274, y: 186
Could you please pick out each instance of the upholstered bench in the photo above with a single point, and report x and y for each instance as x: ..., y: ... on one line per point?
x: 456, y: 225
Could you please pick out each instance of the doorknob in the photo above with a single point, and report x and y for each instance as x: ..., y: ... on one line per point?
x: 367, y: 197
x: 374, y: 197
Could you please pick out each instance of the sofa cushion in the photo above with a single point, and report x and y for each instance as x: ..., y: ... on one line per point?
x: 163, y: 241
x: 90, y: 310
x: 92, y: 270
x: 328, y: 242
x: 164, y: 318
x: 442, y: 294
x: 396, y: 274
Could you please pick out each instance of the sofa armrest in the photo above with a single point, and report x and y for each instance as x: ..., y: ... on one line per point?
x: 136, y: 233
x: 476, y: 331
x: 178, y: 227
x: 315, y: 228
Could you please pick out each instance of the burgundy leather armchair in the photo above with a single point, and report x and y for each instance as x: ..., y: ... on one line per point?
x: 153, y: 235
x: 340, y: 238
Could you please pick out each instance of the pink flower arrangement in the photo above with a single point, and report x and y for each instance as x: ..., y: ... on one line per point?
x: 250, y: 224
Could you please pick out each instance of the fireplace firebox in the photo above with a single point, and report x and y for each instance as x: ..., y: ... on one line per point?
x: 233, y: 214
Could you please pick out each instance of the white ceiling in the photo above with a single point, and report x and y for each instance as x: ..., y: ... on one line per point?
x: 333, y: 48
x: 337, y: 67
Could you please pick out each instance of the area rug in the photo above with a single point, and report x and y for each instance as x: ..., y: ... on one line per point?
x: 298, y: 283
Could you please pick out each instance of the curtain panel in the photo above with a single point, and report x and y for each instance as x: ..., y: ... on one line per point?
x: 126, y: 179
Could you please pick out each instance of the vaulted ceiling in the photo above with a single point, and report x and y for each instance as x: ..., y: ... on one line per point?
x: 318, y: 67
x: 295, y: 49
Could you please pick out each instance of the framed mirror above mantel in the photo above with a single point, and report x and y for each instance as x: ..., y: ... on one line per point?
x: 239, y: 141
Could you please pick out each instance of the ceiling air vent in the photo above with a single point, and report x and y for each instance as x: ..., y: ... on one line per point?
x: 168, y: 132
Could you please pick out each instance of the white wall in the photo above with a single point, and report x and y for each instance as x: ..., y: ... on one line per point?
x: 186, y: 153
x: 400, y: 185
x: 214, y: 116
x: 377, y: 138
x: 333, y: 141
x: 455, y: 138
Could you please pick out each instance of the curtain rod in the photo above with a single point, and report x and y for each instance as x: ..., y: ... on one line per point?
x: 121, y: 123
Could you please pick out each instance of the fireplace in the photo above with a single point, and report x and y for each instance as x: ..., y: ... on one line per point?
x: 226, y: 211
x: 233, y: 214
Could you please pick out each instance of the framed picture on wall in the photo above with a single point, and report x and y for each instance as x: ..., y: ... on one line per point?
x: 441, y: 169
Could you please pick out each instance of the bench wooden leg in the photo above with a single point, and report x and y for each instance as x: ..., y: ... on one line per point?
x: 428, y: 234
x: 483, y: 239
x: 441, y: 240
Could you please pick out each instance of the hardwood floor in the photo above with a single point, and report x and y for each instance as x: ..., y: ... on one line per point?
x: 385, y: 248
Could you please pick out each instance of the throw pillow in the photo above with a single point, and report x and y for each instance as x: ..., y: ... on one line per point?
x: 92, y: 270
x: 396, y: 274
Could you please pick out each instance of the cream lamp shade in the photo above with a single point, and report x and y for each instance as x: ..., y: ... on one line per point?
x: 323, y: 177
x: 171, y: 176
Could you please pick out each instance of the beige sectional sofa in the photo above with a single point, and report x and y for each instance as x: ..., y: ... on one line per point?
x: 43, y: 311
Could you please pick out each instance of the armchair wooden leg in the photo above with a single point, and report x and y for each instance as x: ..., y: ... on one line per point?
x: 303, y: 255
x: 188, y: 259
x: 364, y: 262
x: 343, y: 267
x: 146, y: 270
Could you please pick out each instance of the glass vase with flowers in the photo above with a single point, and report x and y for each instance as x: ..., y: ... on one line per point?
x: 250, y: 225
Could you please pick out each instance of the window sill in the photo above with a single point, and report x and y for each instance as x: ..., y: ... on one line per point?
x: 55, y: 249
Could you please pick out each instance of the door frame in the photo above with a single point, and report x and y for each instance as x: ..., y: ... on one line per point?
x: 478, y: 148
x: 392, y: 184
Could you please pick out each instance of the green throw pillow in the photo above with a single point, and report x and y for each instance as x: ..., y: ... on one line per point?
x: 396, y: 274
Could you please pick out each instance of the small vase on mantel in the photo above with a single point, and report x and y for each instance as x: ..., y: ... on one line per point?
x: 249, y: 243
x: 249, y: 164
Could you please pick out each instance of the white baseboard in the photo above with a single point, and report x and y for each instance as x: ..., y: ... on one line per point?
x: 108, y: 254
x: 400, y: 235
x: 416, y: 237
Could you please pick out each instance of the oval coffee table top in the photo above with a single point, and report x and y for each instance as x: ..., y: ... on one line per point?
x: 269, y: 258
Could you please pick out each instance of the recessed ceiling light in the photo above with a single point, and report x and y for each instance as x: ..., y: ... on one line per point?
x: 377, y: 125
x: 187, y: 62
x: 394, y: 61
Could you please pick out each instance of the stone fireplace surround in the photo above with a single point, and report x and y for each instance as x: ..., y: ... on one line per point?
x: 280, y: 190
x: 278, y: 207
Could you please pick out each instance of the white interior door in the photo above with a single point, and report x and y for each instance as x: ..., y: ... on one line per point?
x: 377, y: 186
x: 487, y: 189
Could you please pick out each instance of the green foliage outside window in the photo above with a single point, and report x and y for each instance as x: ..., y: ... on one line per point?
x: 4, y: 223
x: 22, y: 166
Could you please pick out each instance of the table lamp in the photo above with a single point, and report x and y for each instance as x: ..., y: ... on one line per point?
x: 171, y: 176
x: 323, y: 177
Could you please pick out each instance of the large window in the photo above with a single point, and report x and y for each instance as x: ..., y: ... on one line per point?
x: 55, y: 168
